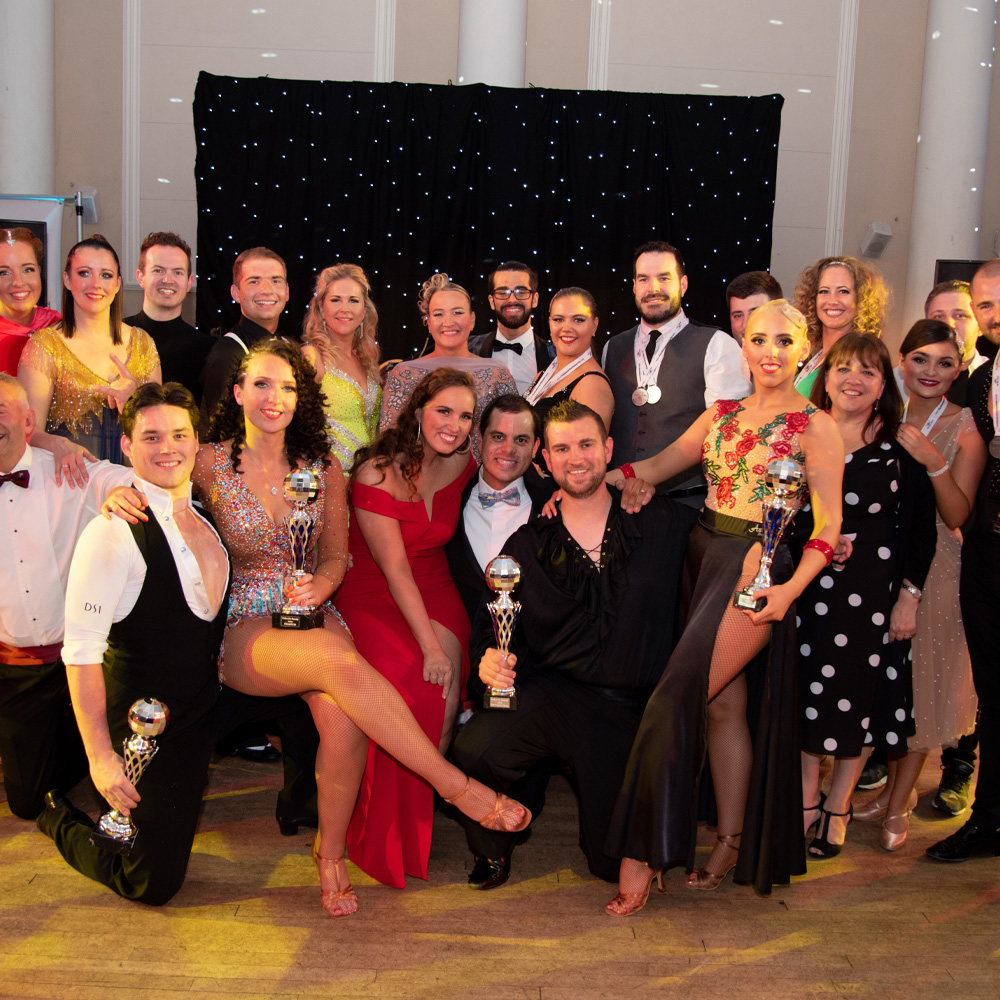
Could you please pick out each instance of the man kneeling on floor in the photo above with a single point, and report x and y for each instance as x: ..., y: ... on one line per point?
x: 598, y: 594
x: 145, y: 610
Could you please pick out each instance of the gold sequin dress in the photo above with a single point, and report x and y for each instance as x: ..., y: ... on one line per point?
x: 76, y: 412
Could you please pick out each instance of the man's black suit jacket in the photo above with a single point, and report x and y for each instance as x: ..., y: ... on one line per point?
x: 544, y: 349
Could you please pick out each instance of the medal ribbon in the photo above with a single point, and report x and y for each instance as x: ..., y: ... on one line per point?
x: 554, y: 374
x: 647, y: 370
x: 932, y: 419
x: 809, y: 367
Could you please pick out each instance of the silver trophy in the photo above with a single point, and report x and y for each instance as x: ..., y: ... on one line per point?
x: 147, y: 718
x: 503, y: 574
x: 784, y: 479
x: 301, y: 488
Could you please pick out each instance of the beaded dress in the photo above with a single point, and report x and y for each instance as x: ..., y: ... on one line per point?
x: 351, y: 413
x: 656, y: 815
x: 258, y: 547
x: 944, y: 697
x: 491, y: 376
x: 75, y: 412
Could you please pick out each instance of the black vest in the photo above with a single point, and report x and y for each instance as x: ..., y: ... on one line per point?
x: 161, y: 649
x: 642, y: 431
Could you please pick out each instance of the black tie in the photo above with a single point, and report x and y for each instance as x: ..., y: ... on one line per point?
x: 499, y: 345
x: 654, y: 336
x: 19, y: 478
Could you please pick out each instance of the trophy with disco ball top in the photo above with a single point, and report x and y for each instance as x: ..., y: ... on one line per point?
x: 784, y: 480
x: 503, y: 574
x: 147, y: 718
x: 301, y: 488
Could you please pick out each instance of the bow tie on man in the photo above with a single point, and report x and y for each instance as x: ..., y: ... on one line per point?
x: 19, y: 478
x: 511, y: 496
x: 499, y: 345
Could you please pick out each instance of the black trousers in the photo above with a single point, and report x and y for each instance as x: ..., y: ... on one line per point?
x: 171, y: 789
x: 980, y: 597
x: 40, y: 744
x: 555, y: 719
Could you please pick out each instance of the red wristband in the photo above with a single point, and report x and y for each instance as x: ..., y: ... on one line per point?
x: 823, y: 548
x: 626, y: 470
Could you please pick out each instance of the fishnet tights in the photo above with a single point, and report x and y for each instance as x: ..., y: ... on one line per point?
x: 349, y: 702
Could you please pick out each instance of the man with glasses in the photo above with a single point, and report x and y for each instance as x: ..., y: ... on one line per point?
x: 513, y: 295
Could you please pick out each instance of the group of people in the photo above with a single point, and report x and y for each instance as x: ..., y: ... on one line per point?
x: 631, y: 662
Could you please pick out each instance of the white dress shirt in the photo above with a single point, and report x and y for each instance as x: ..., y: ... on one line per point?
x: 39, y: 527
x: 108, y: 572
x: 523, y: 367
x: 727, y: 375
x: 488, y: 528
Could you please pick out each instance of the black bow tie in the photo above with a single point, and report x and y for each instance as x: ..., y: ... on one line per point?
x: 499, y: 345
x: 19, y: 478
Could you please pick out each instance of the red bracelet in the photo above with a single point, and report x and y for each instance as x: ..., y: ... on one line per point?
x: 823, y: 548
x: 626, y: 470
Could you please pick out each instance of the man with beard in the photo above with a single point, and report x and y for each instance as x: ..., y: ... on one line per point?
x: 593, y: 580
x: 513, y: 294
x: 667, y: 370
x: 165, y: 276
x: 979, y: 589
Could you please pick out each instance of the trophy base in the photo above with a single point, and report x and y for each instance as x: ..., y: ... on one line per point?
x: 503, y: 698
x: 749, y: 601
x: 109, y: 842
x: 297, y: 620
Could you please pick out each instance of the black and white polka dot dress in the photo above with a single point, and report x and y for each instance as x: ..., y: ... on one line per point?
x: 855, y: 686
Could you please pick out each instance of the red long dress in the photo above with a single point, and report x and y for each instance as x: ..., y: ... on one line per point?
x: 389, y: 836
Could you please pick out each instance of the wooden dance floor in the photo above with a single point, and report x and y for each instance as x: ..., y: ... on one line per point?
x: 248, y: 921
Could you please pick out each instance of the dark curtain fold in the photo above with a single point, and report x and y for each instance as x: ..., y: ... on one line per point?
x: 406, y: 179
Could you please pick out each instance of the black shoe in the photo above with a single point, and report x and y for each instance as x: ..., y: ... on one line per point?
x: 261, y: 754
x: 291, y: 816
x: 821, y: 849
x: 973, y: 838
x: 953, y: 793
x: 873, y: 776
x: 490, y: 873
x: 55, y: 804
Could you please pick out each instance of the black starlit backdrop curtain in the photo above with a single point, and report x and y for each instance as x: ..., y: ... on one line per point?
x: 408, y: 179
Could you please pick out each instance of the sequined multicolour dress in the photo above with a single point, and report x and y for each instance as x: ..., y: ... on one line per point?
x: 351, y: 413
x: 655, y: 816
x: 76, y: 412
x: 258, y: 546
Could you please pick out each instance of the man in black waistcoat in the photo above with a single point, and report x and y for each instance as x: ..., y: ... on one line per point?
x: 260, y: 286
x: 598, y: 593
x: 979, y: 589
x: 668, y: 370
x: 145, y: 611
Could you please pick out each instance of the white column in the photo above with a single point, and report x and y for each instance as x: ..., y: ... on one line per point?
x: 951, y: 146
x: 492, y: 40
x: 27, y: 113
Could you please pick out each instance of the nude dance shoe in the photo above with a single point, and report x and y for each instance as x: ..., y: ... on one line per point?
x: 337, y: 895
x: 627, y: 903
x: 703, y: 878
x: 506, y: 816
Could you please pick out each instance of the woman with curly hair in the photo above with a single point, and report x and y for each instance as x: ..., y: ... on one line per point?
x: 856, y: 624
x: 271, y: 423
x: 837, y: 295
x: 718, y: 658
x: 339, y: 342
x: 447, y: 312
x: 403, y: 608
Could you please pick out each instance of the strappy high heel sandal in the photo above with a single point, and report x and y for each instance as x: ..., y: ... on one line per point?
x: 816, y: 808
x: 337, y: 895
x: 503, y: 817
x: 703, y: 878
x: 821, y: 849
x: 627, y: 903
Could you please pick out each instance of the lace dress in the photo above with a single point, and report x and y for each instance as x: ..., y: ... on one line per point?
x: 491, y: 376
x: 655, y: 817
x: 352, y: 413
x: 944, y: 697
x: 76, y: 412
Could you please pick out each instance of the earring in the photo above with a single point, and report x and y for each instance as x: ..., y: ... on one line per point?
x: 323, y: 321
